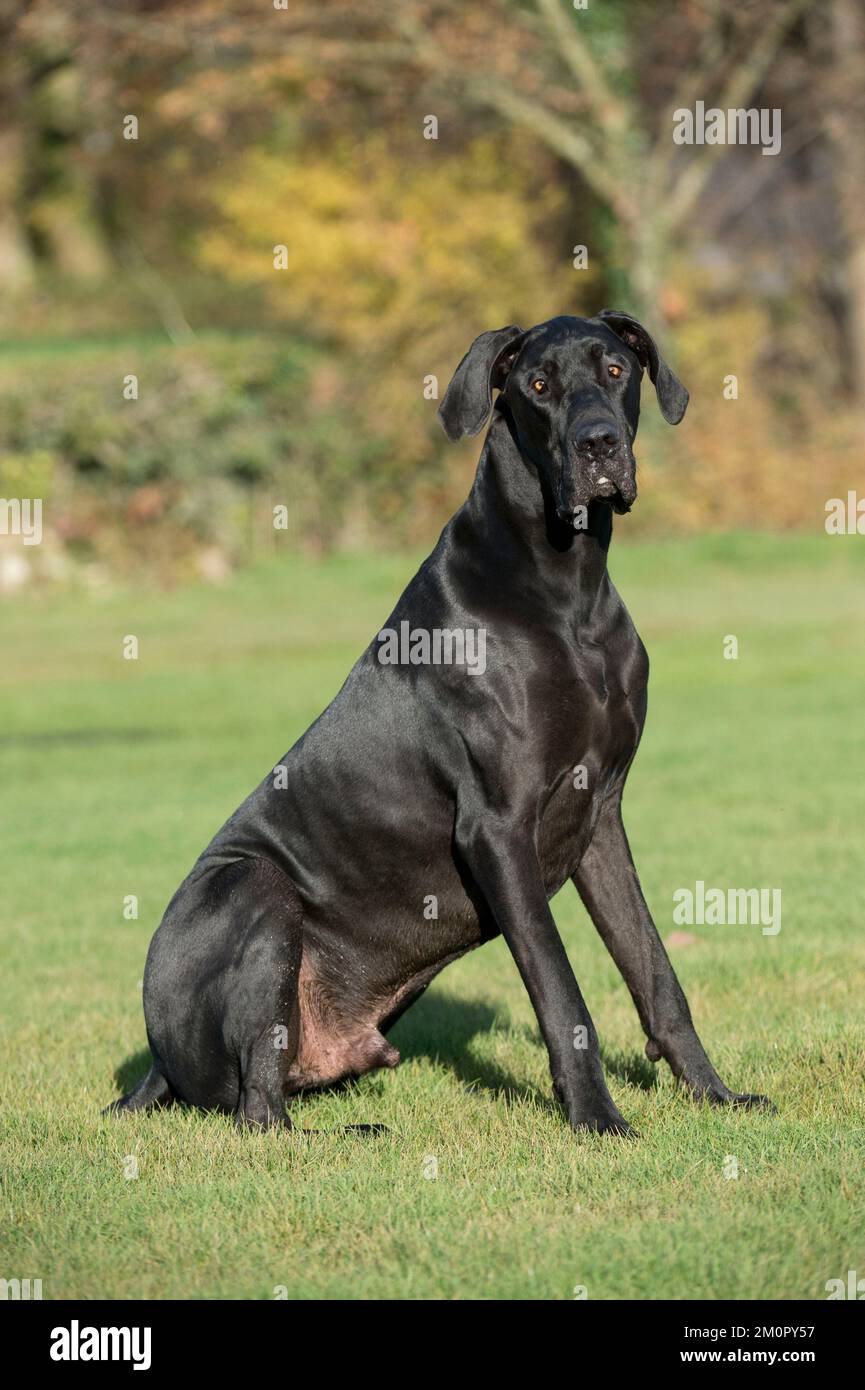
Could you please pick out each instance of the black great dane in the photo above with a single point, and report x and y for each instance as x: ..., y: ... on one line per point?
x: 434, y: 803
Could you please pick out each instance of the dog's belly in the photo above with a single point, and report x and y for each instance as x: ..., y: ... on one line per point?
x: 342, y: 1035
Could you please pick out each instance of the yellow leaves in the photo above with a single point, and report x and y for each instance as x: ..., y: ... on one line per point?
x: 399, y: 254
x: 380, y: 248
x: 27, y: 474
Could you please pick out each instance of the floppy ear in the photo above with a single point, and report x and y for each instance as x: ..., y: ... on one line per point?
x: 672, y: 396
x: 469, y: 398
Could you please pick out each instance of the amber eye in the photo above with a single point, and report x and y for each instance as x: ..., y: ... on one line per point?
x: 614, y: 371
x: 539, y: 386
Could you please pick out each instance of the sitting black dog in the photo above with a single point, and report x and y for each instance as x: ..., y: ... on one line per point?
x: 473, y: 761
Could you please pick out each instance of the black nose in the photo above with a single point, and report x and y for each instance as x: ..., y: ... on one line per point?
x: 596, y: 438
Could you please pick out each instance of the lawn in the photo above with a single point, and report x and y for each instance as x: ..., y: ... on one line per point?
x: 116, y: 773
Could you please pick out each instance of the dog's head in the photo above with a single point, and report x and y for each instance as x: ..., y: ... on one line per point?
x: 572, y: 390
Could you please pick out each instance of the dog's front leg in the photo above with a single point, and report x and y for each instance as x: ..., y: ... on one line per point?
x: 608, y: 885
x: 504, y: 865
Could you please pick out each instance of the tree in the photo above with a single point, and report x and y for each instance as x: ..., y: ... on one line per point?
x: 577, y: 86
x: 845, y: 124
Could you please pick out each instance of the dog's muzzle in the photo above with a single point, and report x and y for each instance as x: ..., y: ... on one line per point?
x: 610, y: 481
x: 619, y: 488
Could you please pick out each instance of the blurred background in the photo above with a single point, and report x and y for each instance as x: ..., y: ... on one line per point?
x: 428, y: 171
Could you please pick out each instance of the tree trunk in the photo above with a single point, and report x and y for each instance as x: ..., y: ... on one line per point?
x: 847, y: 131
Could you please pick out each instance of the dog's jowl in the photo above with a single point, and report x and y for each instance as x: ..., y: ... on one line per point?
x: 302, y: 932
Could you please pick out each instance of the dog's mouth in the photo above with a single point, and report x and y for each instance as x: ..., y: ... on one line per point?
x: 602, y: 489
x: 616, y: 485
x: 620, y: 501
x: 610, y: 480
x: 606, y: 490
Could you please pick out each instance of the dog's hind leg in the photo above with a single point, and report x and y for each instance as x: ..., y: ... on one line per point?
x: 150, y: 1093
x: 221, y: 993
x: 264, y: 1093
x: 262, y: 1007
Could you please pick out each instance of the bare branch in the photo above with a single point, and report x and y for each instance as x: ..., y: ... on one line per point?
x: 609, y: 111
x: 709, y: 59
x: 742, y: 82
x: 559, y: 135
x: 157, y: 290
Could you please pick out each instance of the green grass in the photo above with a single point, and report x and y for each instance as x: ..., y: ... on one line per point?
x: 115, y: 775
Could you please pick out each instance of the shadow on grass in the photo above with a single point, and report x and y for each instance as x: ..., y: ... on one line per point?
x: 631, y: 1068
x: 442, y: 1027
x: 85, y: 737
x: 133, y: 1070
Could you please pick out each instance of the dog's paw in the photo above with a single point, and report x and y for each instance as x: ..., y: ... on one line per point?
x: 740, y: 1100
x: 608, y: 1122
x: 749, y: 1101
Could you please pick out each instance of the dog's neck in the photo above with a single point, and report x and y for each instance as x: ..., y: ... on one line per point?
x: 516, y: 526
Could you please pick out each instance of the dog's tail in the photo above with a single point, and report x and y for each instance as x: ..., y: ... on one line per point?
x: 153, y: 1091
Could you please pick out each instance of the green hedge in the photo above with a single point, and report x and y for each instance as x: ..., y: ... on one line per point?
x: 222, y: 431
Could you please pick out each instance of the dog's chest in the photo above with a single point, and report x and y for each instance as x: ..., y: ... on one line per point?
x: 604, y: 710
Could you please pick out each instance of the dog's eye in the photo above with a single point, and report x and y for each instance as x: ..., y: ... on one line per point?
x: 614, y: 371
x: 539, y: 386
